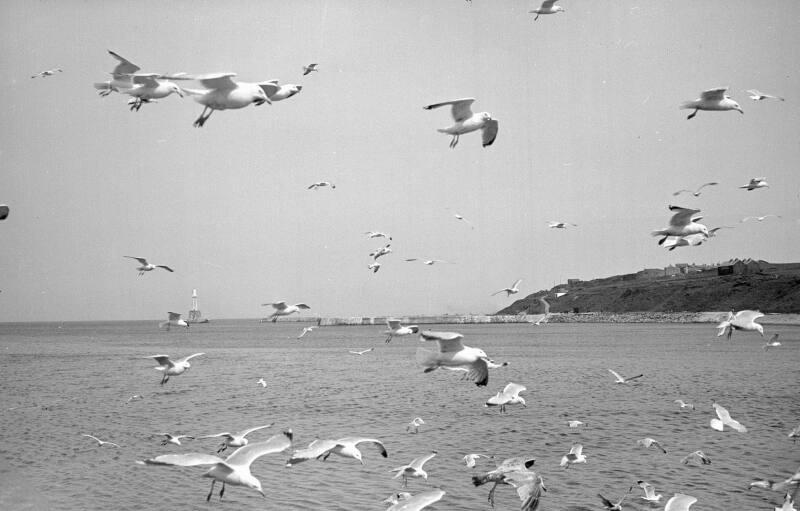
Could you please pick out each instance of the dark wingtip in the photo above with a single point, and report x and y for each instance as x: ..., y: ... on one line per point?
x: 477, y: 481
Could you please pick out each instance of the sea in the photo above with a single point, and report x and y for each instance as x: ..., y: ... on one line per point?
x: 62, y: 380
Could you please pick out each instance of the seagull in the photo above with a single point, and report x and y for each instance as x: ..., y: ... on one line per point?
x: 235, y: 469
x: 692, y: 240
x: 759, y: 218
x: 461, y: 217
x: 377, y: 234
x: 772, y: 343
x: 575, y: 455
x: 429, y: 262
x: 742, y: 320
x: 509, y: 290
x: 415, y: 424
x: 649, y: 491
x: 413, y: 469
x: 100, y: 443
x: 174, y: 320
x: 146, y: 88
x: 575, y: 424
x: 48, y: 72
x: 547, y: 7
x: 725, y: 420
x: 309, y: 68
x: 680, y: 502
x: 346, y: 447
x: 281, y: 309
x: 262, y: 382
x: 684, y: 404
x: 515, y: 472
x: 170, y: 368
x: 712, y: 99
x: 306, y: 330
x: 755, y: 182
x: 795, y: 433
x: 361, y: 352
x: 320, y: 184
x: 466, y: 121
x: 769, y: 484
x: 614, y: 506
x: 696, y: 193
x: 621, y: 379
x: 508, y: 396
x: 682, y: 223
x: 452, y: 353
x: 651, y: 442
x: 120, y: 76
x: 757, y: 95
x: 471, y: 459
x: 174, y: 439
x: 380, y: 252
x: 223, y: 93
x: 416, y: 502
x: 374, y: 266
x: 698, y: 457
x: 559, y: 225
x: 397, y: 330
x: 145, y: 266
x: 788, y: 503
x: 277, y: 92
x: 235, y: 439
x: 134, y: 398
x: 545, y: 317
x: 4, y: 211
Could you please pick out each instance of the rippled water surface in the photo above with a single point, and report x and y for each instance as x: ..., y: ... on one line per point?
x: 62, y: 380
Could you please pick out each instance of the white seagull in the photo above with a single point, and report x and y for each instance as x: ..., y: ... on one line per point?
x: 683, y: 404
x: 755, y: 182
x: 515, y: 472
x: 48, y: 72
x: 223, y: 93
x: 466, y: 121
x: 4, y: 211
x: 100, y: 443
x: 120, y: 76
x: 235, y: 469
x: 428, y: 262
x: 375, y: 254
x: 614, y: 506
x: 235, y: 439
x: 509, y: 290
x: 648, y: 442
x: 170, y: 368
x: 277, y: 92
x: 575, y: 455
x: 696, y: 193
x: 772, y: 343
x: 471, y: 459
x: 712, y: 99
x: 575, y: 424
x: 757, y: 95
x: 725, y: 420
x: 374, y: 266
x: 145, y: 266
x: 346, y: 447
x: 696, y: 457
x: 559, y: 225
x: 508, y: 396
x: 692, y: 240
x: 413, y: 469
x: 309, y: 68
x: 788, y: 503
x: 377, y: 234
x: 262, y: 382
x: 416, y: 502
x: 414, y: 425
x: 174, y: 439
x: 146, y: 88
x: 680, y: 502
x: 649, y: 491
x: 759, y: 218
x: 547, y: 7
x: 321, y: 184
x: 682, y: 223
x: 281, y: 309
x: 174, y: 319
x: 453, y: 354
x: 361, y: 352
x: 306, y: 330
x: 621, y: 379
x: 398, y: 330
x: 461, y: 217
x: 742, y: 320
x: 795, y: 433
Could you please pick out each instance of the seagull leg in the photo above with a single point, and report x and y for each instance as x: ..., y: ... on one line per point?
x: 222, y: 490
x: 203, y: 117
x: 692, y: 114
x: 491, y: 494
x: 164, y: 378
x: 537, y: 17
x: 213, y: 482
x: 388, y: 338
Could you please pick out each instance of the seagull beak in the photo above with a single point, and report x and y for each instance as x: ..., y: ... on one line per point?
x: 178, y: 92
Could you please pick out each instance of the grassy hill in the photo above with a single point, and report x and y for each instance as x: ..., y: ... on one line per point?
x: 776, y: 289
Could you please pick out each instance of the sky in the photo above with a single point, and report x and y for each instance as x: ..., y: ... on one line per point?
x: 589, y: 132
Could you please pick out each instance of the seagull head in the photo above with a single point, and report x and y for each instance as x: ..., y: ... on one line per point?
x: 486, y: 116
x: 737, y: 107
x: 177, y: 90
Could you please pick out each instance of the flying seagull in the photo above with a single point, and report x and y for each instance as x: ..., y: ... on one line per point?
x: 223, y: 93
x: 100, y: 443
x: 614, y: 506
x: 621, y: 379
x: 697, y: 457
x: 321, y: 184
x: 682, y: 223
x: 515, y: 472
x: 755, y: 182
x: 309, y: 68
x: 174, y: 439
x: 413, y: 469
x: 772, y: 343
x: 416, y: 502
x: 649, y: 491
x: 174, y: 319
x: 648, y: 442
x: 508, y: 396
x: 554, y: 224
x: 235, y: 439
x: 575, y: 455
x: 696, y: 192
x: 712, y: 99
x: 547, y: 7
x: 398, y: 330
x: 361, y: 352
x: 466, y: 121
x: 414, y: 425
x: 170, y: 368
x: 742, y: 320
x: 346, y: 447
x: 757, y: 95
x: 145, y: 266
x: 509, y: 290
x: 724, y: 419
x: 452, y: 353
x: 281, y: 309
x: 48, y: 72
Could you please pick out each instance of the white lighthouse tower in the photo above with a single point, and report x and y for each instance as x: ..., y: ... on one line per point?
x: 195, y: 316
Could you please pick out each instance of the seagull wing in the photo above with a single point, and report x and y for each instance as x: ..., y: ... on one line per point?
x: 448, y: 341
x: 146, y: 79
x: 270, y: 87
x: 713, y: 94
x: 547, y: 4
x: 576, y: 449
x: 746, y: 316
x: 418, y: 501
x: 358, y: 440
x: 489, y: 132
x: 514, y: 464
x: 185, y: 460
x: 517, y: 283
x: 513, y: 389
x: 529, y: 488
x: 244, y: 456
x: 606, y: 502
x: 186, y: 359
x: 711, y: 183
x: 162, y: 360
x: 418, y: 462
x: 682, y: 217
x: 680, y: 502
x: 142, y: 260
x: 681, y: 191
x: 301, y: 306
x: 221, y: 81
x: 616, y: 375
x: 314, y: 450
x: 461, y: 108
x: 393, y: 324
x: 124, y: 67
x: 165, y: 267
x: 276, y: 305
x: 246, y: 432
x: 174, y: 316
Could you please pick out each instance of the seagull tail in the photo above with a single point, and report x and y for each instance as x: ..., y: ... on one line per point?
x: 687, y: 104
x: 479, y: 480
x: 427, y: 358
x: 163, y: 324
x: 102, y: 85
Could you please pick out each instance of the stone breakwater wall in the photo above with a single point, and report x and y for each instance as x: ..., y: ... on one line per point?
x: 466, y: 319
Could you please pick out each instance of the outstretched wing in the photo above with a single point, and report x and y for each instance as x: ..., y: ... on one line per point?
x: 185, y: 460
x: 746, y: 316
x: 358, y: 440
x: 682, y: 216
x: 461, y: 108
x: 616, y: 375
x: 142, y: 260
x: 418, y: 501
x: 302, y: 306
x: 276, y: 305
x: 489, y: 132
x: 222, y: 81
x: 714, y: 94
x: 246, y: 432
x: 314, y: 450
x: 244, y: 456
x: 162, y: 360
x: 418, y: 462
x: 124, y: 67
x: 448, y: 341
x: 679, y: 502
x: 513, y: 389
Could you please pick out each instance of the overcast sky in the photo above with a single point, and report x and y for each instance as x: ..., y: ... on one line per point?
x: 590, y: 133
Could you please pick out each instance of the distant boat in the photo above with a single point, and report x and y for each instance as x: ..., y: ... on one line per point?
x: 195, y: 316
